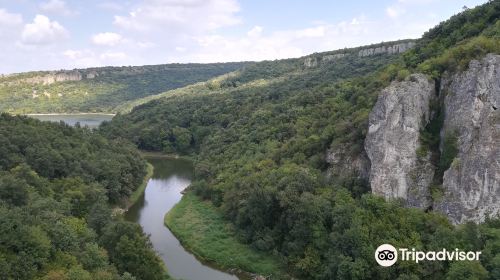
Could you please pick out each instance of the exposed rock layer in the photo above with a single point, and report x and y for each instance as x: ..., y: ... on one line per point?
x: 55, y: 77
x: 401, y: 111
x: 343, y: 164
x: 394, y: 49
x: 472, y: 184
x: 470, y: 189
x: 314, y: 60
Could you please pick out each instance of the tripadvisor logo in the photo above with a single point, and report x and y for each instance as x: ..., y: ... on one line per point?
x: 387, y: 255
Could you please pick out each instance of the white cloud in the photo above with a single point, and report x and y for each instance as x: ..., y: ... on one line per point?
x: 107, y: 39
x: 9, y: 19
x: 160, y: 31
x: 82, y: 58
x: 318, y: 31
x: 256, y: 31
x: 58, y: 7
x: 43, y: 31
x: 420, y: 2
x: 146, y: 45
x: 181, y: 16
x: 258, y: 45
x: 394, y: 11
x: 89, y: 58
x: 113, y: 56
x: 111, y: 6
x: 73, y: 54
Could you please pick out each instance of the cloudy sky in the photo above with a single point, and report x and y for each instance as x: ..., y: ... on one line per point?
x: 67, y: 34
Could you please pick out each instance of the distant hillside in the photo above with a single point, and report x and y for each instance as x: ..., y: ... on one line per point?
x: 257, y: 73
x: 98, y: 89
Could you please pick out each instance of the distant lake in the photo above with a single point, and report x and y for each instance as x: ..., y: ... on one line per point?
x: 90, y: 120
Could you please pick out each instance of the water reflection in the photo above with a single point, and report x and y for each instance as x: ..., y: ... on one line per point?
x: 163, y: 191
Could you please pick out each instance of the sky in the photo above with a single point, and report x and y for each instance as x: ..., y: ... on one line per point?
x: 68, y: 34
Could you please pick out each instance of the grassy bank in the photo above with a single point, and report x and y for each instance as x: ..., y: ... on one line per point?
x: 138, y: 192
x: 202, y: 229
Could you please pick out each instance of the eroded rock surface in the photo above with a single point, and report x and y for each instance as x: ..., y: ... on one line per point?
x: 401, y: 111
x: 471, y: 185
x: 394, y: 49
x: 314, y: 60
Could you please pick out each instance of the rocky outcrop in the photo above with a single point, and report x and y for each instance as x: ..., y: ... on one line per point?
x: 92, y: 75
x: 393, y: 49
x: 310, y: 62
x: 471, y: 185
x: 315, y: 60
x: 331, y: 57
x: 401, y: 111
x: 55, y: 77
x: 343, y: 164
x: 470, y: 189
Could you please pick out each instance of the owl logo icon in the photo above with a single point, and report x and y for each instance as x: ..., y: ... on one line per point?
x: 386, y: 255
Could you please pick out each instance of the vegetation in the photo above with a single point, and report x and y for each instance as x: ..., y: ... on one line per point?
x: 57, y: 186
x: 450, y: 150
x: 140, y: 190
x: 100, y: 89
x: 260, y: 136
x: 202, y: 229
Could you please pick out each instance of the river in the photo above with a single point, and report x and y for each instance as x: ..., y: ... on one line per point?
x: 90, y: 120
x: 162, y: 192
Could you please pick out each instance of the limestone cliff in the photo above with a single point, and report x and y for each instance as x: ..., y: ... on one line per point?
x: 470, y: 189
x: 379, y: 49
x: 472, y: 183
x: 401, y: 111
x: 393, y: 49
x: 55, y: 77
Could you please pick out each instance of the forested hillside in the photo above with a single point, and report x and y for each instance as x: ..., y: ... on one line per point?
x: 98, y: 89
x: 57, y: 187
x: 261, y: 136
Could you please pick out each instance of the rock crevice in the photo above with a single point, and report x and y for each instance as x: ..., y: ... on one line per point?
x: 471, y: 185
x: 470, y: 189
x: 401, y: 111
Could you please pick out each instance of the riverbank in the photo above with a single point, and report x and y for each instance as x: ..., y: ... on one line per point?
x: 163, y: 155
x: 202, y: 230
x: 69, y: 114
x: 140, y: 190
x: 132, y: 199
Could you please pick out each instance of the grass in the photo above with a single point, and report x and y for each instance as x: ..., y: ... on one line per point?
x: 202, y: 229
x: 138, y: 192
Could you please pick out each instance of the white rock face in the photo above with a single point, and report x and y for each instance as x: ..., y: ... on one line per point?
x: 55, y: 77
x: 331, y: 57
x: 394, y: 49
x: 401, y: 111
x: 472, y: 184
x: 311, y: 61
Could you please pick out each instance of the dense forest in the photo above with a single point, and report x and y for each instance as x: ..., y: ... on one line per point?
x: 260, y: 137
x: 58, y: 185
x: 98, y: 89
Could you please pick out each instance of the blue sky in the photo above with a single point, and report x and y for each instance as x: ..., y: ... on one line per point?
x: 67, y: 34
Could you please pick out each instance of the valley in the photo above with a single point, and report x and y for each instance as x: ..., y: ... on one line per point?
x: 295, y: 168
